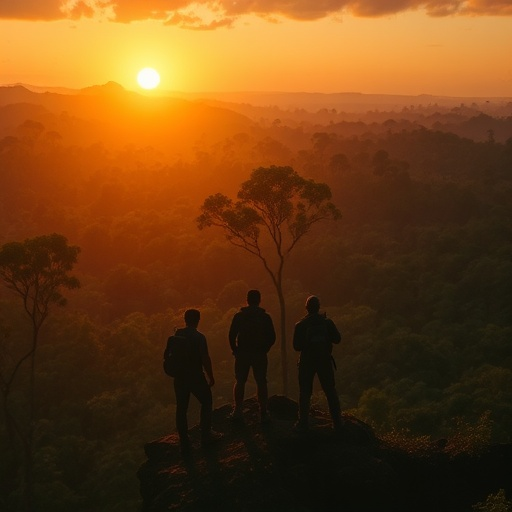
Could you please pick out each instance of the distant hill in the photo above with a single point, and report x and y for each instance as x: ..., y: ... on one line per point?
x: 112, y: 115
x: 310, y: 101
x: 345, y: 102
x: 177, y: 122
x: 42, y: 88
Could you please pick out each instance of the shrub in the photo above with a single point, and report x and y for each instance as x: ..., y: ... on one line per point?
x: 494, y: 503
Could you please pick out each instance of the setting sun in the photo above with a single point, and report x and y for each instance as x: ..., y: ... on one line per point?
x: 148, y: 78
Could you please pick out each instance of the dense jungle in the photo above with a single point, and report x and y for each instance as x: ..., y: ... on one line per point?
x: 416, y: 274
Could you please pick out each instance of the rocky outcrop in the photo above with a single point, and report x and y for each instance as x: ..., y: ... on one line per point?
x: 272, y: 468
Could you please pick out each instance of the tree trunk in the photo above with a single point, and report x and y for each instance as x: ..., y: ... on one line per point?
x: 29, y: 443
x: 28, y: 492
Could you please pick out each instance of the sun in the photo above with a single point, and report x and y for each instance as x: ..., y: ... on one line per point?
x: 148, y: 78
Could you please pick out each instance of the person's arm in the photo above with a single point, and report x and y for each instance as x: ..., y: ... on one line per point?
x: 167, y: 346
x: 334, y: 334
x: 233, y: 333
x: 298, y: 343
x: 270, y: 332
x: 207, y: 365
x: 206, y: 361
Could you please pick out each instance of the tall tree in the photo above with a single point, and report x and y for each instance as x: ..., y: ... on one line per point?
x: 282, y: 205
x: 36, y: 270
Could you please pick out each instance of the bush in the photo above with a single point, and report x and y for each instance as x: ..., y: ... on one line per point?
x: 494, y: 503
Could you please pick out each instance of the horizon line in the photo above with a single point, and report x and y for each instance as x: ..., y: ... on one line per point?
x: 160, y: 92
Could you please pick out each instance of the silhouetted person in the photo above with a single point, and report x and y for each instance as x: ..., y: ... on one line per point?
x: 251, y: 336
x: 313, y: 338
x: 195, y: 362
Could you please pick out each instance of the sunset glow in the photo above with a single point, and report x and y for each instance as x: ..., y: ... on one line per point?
x: 366, y: 48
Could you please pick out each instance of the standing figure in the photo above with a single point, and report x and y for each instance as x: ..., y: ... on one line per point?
x: 313, y: 338
x: 193, y: 361
x: 251, y: 336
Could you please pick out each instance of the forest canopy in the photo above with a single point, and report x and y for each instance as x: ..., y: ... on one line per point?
x: 417, y: 274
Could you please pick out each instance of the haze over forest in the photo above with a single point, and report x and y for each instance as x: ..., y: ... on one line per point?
x: 417, y: 273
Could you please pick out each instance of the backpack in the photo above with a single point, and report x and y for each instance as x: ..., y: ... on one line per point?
x: 176, y: 353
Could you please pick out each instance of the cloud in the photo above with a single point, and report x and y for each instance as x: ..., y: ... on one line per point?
x: 223, y: 13
x: 30, y: 9
x: 50, y: 10
x: 490, y: 7
x: 133, y: 10
x: 193, y: 22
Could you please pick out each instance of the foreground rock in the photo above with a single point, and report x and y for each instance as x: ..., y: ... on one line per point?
x: 272, y: 468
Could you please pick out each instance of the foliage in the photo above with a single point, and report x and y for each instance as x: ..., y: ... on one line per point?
x: 462, y: 438
x: 276, y: 199
x: 36, y: 270
x: 497, y: 502
x: 417, y: 277
x: 407, y: 442
x: 468, y: 438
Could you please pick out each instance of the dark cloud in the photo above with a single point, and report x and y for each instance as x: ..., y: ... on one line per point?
x: 315, y: 9
x: 490, y: 7
x: 189, y: 14
x: 30, y: 9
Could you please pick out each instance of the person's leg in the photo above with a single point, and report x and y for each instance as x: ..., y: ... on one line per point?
x: 182, y: 392
x: 306, y: 376
x: 242, y: 366
x: 202, y: 391
x: 328, y: 383
x: 259, y: 370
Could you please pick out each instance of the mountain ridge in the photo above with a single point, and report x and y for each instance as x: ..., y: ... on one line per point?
x: 349, y: 101
x: 113, y: 116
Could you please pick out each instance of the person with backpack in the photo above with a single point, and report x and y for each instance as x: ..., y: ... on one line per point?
x: 251, y: 335
x: 186, y: 358
x: 313, y: 337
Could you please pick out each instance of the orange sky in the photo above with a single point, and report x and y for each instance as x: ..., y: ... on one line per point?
x: 451, y: 48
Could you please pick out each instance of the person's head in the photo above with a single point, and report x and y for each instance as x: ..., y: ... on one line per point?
x: 192, y: 317
x: 312, y: 304
x: 253, y: 297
